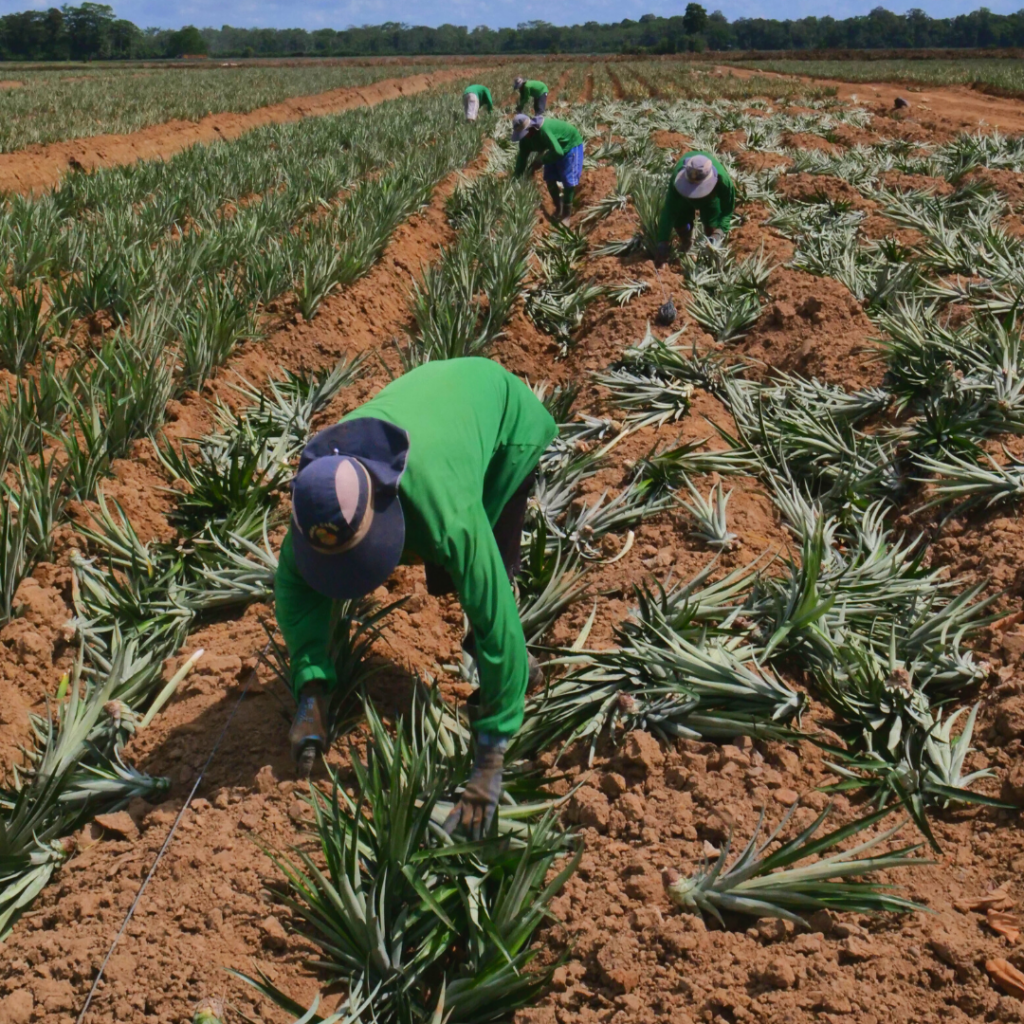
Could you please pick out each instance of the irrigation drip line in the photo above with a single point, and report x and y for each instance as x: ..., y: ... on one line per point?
x: 170, y: 836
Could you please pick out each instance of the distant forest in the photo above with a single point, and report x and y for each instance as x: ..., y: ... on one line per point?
x: 93, y: 32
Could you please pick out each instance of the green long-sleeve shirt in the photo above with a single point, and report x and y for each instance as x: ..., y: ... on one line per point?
x: 483, y: 92
x: 530, y: 90
x: 554, y: 139
x: 715, y: 209
x: 475, y: 434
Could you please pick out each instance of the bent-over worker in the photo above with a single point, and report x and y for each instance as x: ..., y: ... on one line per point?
x: 530, y: 89
x: 473, y: 97
x: 699, y: 185
x: 562, y: 147
x: 436, y: 467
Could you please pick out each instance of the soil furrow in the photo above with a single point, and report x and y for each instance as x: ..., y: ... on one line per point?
x: 206, y: 903
x: 954, y: 108
x: 40, y: 167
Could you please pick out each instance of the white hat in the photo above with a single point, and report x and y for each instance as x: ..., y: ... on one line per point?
x: 521, y: 124
x: 697, y: 179
x: 518, y: 82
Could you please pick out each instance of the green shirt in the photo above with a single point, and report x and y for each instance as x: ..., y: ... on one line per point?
x: 530, y: 90
x: 554, y: 139
x: 715, y: 208
x: 475, y: 434
x: 483, y: 92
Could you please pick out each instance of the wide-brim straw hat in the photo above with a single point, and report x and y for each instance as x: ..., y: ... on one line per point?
x: 697, y: 179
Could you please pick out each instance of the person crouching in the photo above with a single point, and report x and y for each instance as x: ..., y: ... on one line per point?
x: 561, y: 147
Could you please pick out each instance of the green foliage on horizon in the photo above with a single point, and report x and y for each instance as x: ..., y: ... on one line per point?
x: 92, y: 32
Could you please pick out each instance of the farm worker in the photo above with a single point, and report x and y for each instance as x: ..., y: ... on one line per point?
x: 473, y: 96
x: 562, y: 147
x: 530, y: 89
x: 700, y: 184
x: 436, y: 468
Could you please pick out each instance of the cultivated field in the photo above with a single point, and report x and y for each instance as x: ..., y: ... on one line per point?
x: 41, y: 106
x: 772, y: 565
x: 1002, y: 74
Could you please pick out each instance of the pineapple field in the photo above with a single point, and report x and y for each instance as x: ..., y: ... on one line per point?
x: 771, y: 568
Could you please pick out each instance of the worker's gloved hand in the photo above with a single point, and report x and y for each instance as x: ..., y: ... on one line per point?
x: 686, y: 238
x: 717, y: 237
x: 308, y: 734
x: 662, y: 251
x: 536, y: 676
x: 475, y: 810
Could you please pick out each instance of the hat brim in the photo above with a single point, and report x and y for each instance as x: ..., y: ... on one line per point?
x: 518, y: 136
x: 696, y: 189
x: 362, y: 569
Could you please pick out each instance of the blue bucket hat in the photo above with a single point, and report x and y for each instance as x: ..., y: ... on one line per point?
x: 348, y: 529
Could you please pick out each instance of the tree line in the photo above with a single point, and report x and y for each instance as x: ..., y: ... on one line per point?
x: 91, y: 31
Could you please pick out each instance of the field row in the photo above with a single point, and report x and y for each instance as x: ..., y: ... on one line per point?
x: 37, y: 107
x: 856, y: 627
x: 1002, y: 75
x: 40, y: 107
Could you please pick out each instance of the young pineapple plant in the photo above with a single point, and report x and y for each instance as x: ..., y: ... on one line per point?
x: 726, y: 296
x: 762, y: 884
x: 710, y: 516
x: 24, y: 328
x: 678, y: 670
x: 424, y: 926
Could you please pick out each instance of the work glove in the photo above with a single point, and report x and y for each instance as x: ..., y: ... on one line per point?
x: 717, y: 237
x: 308, y: 734
x: 662, y: 251
x: 686, y: 238
x: 475, y: 810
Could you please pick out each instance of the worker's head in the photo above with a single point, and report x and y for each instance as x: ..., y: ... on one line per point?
x: 518, y: 82
x: 698, y: 178
x: 348, y: 529
x: 523, y: 124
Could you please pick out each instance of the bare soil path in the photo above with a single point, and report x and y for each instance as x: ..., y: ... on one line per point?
x: 37, y: 168
x: 951, y: 107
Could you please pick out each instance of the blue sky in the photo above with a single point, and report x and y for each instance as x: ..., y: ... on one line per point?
x: 313, y: 14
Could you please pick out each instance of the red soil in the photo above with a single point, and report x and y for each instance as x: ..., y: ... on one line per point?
x: 37, y: 168
x: 953, y: 108
x: 633, y: 958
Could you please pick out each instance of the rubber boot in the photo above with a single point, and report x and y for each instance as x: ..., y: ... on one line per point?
x: 556, y: 199
x: 568, y: 194
x: 308, y: 734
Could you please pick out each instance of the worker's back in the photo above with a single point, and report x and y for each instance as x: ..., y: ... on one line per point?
x: 468, y: 420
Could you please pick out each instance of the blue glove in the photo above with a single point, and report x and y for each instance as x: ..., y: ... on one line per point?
x: 475, y: 809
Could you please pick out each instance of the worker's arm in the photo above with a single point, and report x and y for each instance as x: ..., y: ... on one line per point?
x: 485, y: 593
x: 521, y: 159
x: 716, y: 212
x: 488, y: 102
x: 721, y: 219
x: 304, y: 617
x: 675, y: 212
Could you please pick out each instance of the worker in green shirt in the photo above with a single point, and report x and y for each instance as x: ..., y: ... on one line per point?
x: 473, y: 97
x: 699, y: 185
x: 529, y: 89
x: 561, y: 146
x: 436, y: 468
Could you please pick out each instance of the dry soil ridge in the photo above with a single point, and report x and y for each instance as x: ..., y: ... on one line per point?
x: 37, y: 168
